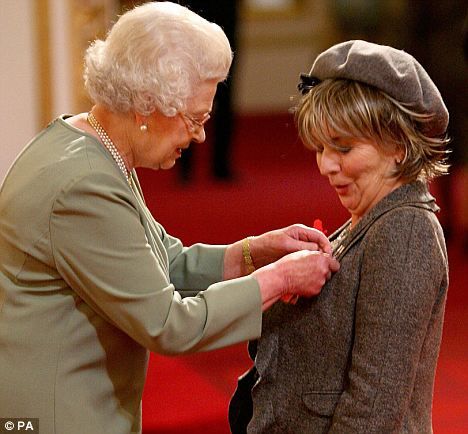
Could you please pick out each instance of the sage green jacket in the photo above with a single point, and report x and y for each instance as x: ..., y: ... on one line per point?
x: 89, y: 282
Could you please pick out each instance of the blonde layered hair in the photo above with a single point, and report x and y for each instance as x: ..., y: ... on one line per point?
x: 153, y: 58
x: 353, y: 109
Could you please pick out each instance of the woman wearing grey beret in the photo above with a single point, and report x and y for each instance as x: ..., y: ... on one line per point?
x: 361, y: 357
x: 90, y: 282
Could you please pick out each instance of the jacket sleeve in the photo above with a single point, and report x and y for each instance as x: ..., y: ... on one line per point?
x: 101, y: 251
x: 401, y: 287
x: 193, y: 268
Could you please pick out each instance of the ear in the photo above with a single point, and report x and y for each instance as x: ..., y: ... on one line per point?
x: 142, y: 122
x: 140, y: 119
x: 400, y: 155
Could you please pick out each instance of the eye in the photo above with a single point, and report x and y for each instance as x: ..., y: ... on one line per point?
x: 343, y: 149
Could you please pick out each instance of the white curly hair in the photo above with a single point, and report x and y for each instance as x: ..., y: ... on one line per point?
x: 153, y: 59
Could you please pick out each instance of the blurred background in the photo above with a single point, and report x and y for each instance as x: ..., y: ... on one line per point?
x: 252, y: 174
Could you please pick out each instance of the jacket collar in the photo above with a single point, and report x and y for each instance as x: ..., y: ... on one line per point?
x: 414, y: 194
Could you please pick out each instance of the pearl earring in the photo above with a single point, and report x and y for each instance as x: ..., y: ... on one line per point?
x: 143, y: 128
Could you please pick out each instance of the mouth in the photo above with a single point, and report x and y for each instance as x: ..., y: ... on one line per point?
x: 179, y: 150
x: 341, y: 189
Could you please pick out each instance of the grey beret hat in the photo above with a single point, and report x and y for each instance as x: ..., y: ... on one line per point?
x: 393, y: 71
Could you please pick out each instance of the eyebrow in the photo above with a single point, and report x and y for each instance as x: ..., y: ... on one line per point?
x: 344, y: 139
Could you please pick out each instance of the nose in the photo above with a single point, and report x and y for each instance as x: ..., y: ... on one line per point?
x: 199, y: 135
x: 328, y: 162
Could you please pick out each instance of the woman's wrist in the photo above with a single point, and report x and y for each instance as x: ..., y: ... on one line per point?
x: 271, y: 284
x: 234, y: 265
x: 238, y: 259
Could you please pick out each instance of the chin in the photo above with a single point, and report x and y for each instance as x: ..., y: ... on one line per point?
x: 166, y: 165
x: 347, y: 205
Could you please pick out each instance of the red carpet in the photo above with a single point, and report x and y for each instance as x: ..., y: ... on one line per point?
x: 276, y: 184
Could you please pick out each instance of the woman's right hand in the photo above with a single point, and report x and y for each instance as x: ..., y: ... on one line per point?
x: 301, y: 273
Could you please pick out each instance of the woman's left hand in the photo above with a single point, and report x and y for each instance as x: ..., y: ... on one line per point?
x: 273, y: 245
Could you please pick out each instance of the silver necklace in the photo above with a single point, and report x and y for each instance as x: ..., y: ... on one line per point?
x: 101, y: 132
x: 337, y: 244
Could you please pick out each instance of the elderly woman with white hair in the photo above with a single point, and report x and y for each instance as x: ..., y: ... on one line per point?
x: 89, y: 280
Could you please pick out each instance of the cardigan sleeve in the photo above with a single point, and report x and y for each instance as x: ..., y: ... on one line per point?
x: 101, y: 251
x: 401, y: 287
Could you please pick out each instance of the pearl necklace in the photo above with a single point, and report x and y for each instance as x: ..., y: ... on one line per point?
x: 101, y: 132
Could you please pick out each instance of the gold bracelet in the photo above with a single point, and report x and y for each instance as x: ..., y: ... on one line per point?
x: 247, y: 256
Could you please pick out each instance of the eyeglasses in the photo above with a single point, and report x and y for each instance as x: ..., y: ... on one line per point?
x: 196, y: 124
